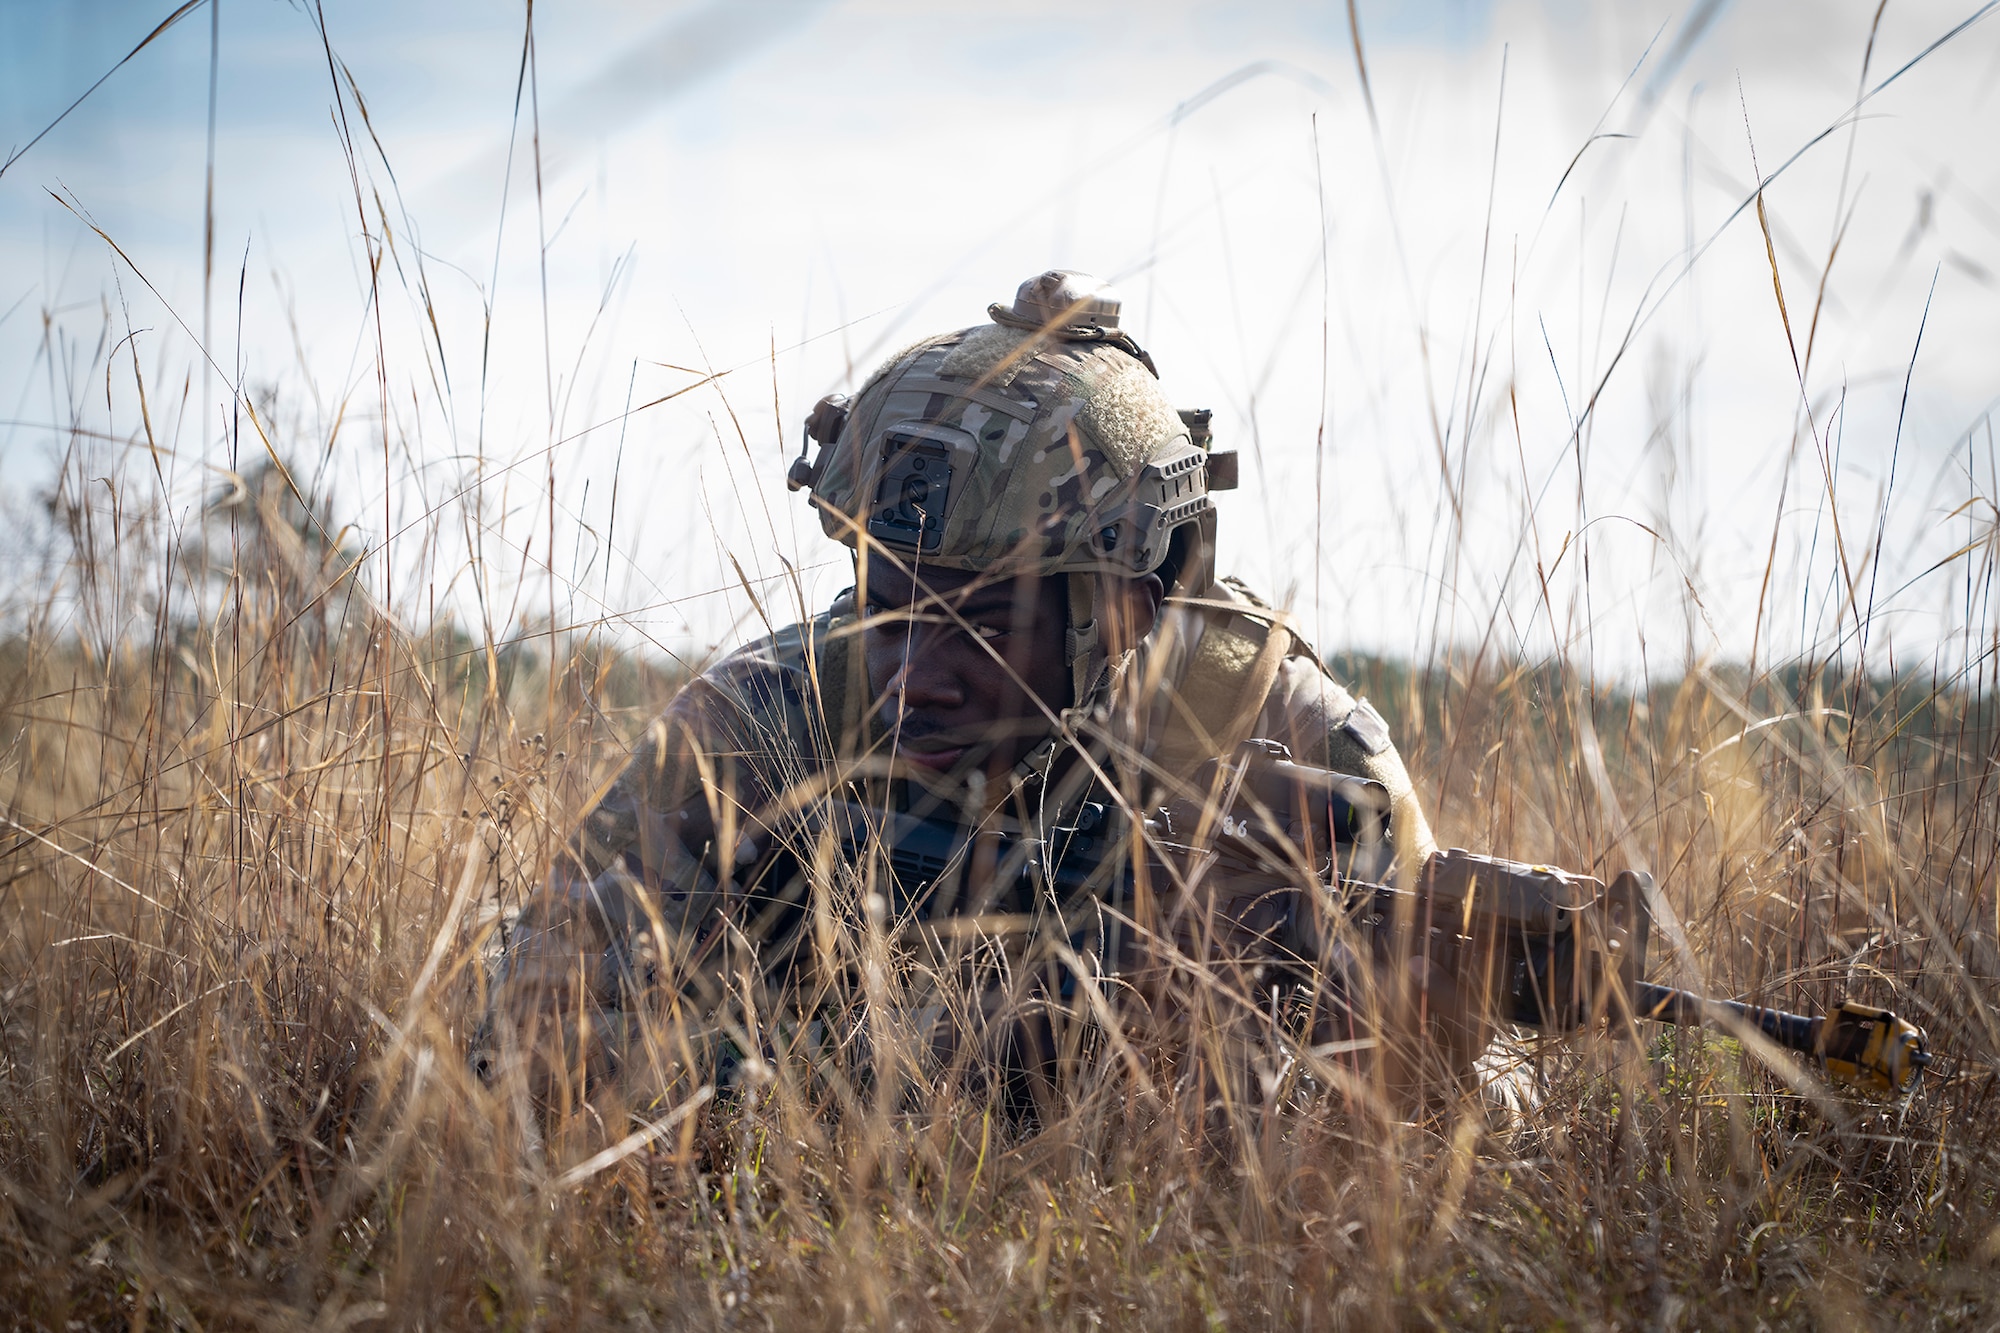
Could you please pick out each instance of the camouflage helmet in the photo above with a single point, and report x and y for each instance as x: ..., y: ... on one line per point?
x: 1040, y: 441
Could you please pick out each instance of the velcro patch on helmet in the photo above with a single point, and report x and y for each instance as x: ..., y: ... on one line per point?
x: 988, y: 357
x: 1365, y: 727
x: 1127, y: 415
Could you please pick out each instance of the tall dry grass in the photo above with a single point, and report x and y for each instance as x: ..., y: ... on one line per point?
x: 253, y: 858
x: 260, y: 834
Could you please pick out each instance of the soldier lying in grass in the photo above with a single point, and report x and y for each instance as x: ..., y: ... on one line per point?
x: 1034, y: 624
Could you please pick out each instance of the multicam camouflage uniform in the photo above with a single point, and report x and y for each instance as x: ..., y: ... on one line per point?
x: 755, y: 727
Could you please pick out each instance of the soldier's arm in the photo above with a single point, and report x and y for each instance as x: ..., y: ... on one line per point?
x: 1327, y: 727
x: 1435, y: 1032
x: 636, y: 862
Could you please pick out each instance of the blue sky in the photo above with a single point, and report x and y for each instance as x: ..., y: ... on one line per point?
x: 834, y: 178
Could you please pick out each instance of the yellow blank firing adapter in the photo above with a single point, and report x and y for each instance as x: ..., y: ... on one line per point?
x: 1871, y: 1048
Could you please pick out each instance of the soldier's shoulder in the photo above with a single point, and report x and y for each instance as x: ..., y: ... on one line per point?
x: 776, y: 671
x: 1303, y: 686
x: 791, y: 648
x: 1236, y: 607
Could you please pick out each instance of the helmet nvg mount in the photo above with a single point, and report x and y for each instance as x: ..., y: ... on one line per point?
x: 1039, y: 443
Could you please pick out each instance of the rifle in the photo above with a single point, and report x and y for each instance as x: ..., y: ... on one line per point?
x: 1273, y: 866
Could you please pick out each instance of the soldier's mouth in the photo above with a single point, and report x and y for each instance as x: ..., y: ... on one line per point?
x: 931, y: 743
x: 939, y: 760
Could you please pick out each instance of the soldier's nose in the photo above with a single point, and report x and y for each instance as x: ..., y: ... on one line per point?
x: 924, y: 681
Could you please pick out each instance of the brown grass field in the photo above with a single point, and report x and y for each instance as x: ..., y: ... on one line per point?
x: 251, y: 865
x: 258, y: 837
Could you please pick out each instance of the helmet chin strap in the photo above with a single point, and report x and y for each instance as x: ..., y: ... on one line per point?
x: 1080, y: 638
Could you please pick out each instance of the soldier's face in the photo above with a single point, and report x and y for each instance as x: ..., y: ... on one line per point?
x: 968, y: 669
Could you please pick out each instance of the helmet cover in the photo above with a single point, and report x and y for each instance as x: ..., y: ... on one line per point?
x: 1040, y: 443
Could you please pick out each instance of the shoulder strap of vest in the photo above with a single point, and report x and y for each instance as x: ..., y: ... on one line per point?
x: 1228, y: 676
